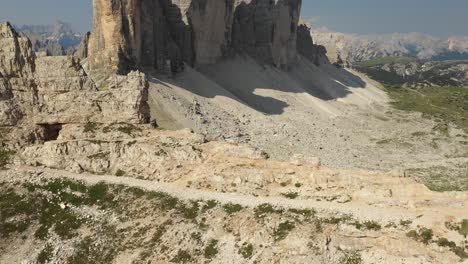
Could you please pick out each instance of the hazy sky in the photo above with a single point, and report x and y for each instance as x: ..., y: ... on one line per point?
x: 437, y: 17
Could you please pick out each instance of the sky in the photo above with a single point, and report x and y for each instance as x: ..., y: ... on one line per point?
x: 435, y: 17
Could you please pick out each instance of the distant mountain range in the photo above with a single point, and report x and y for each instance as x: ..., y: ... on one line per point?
x: 356, y: 48
x: 407, y: 71
x: 58, y: 38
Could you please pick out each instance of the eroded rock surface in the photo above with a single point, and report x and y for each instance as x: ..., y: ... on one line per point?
x: 84, y: 123
x: 17, y: 64
x: 159, y: 34
x: 46, y: 90
x: 67, y: 95
x: 17, y: 55
x: 373, y: 214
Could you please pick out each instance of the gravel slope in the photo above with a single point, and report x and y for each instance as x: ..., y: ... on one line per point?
x: 335, y: 114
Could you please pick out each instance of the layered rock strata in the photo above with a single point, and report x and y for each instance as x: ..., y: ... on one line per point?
x: 67, y: 95
x: 153, y: 33
x: 17, y: 65
x: 57, y: 90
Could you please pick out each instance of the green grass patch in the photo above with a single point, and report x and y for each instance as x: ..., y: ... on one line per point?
x: 461, y: 252
x: 209, y: 205
x: 246, y: 250
x: 160, y: 231
x: 124, y: 128
x: 426, y: 236
x: 211, y: 250
x: 446, y: 104
x: 165, y: 201
x: 264, y: 210
x: 137, y: 192
x: 443, y: 242
x: 406, y: 223
x: 90, y: 127
x: 282, y: 231
x: 100, y: 155
x: 182, y: 256
x: 423, y: 235
x: 464, y: 228
x: 367, y: 225
x: 336, y: 220
x: 443, y: 179
x: 86, y: 251
x: 45, y: 255
x: 5, y: 157
x: 461, y: 227
x: 231, y: 208
x: 385, y: 60
x: 303, y: 212
x: 351, y: 257
x: 290, y: 195
x: 189, y: 211
x: 120, y: 173
x: 49, y: 206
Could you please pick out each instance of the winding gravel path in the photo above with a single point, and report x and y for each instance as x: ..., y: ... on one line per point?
x: 357, y: 209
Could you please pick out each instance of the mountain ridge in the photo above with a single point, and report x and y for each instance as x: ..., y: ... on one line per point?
x: 56, y: 39
x: 357, y: 47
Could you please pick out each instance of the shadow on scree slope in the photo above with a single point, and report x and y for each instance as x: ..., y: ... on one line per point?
x: 238, y: 78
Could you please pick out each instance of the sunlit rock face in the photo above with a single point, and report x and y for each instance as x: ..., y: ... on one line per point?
x: 151, y: 33
x: 42, y: 90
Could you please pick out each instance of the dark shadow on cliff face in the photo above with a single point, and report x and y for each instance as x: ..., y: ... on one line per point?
x: 165, y: 36
x: 154, y: 32
x: 249, y: 76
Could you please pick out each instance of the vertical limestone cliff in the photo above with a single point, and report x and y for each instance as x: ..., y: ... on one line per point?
x: 267, y: 30
x: 131, y: 34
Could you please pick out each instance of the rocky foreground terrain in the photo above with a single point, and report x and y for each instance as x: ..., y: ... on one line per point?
x: 215, y: 132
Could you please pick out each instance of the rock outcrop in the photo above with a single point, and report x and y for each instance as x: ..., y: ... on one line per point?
x: 154, y: 33
x: 82, y: 50
x: 17, y: 65
x: 17, y: 55
x: 374, y: 214
x: 66, y: 94
x: 306, y: 47
x: 46, y: 91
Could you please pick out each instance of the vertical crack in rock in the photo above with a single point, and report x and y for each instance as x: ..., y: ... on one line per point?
x: 161, y: 34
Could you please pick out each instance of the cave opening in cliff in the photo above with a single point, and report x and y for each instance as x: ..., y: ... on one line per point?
x: 50, y: 132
